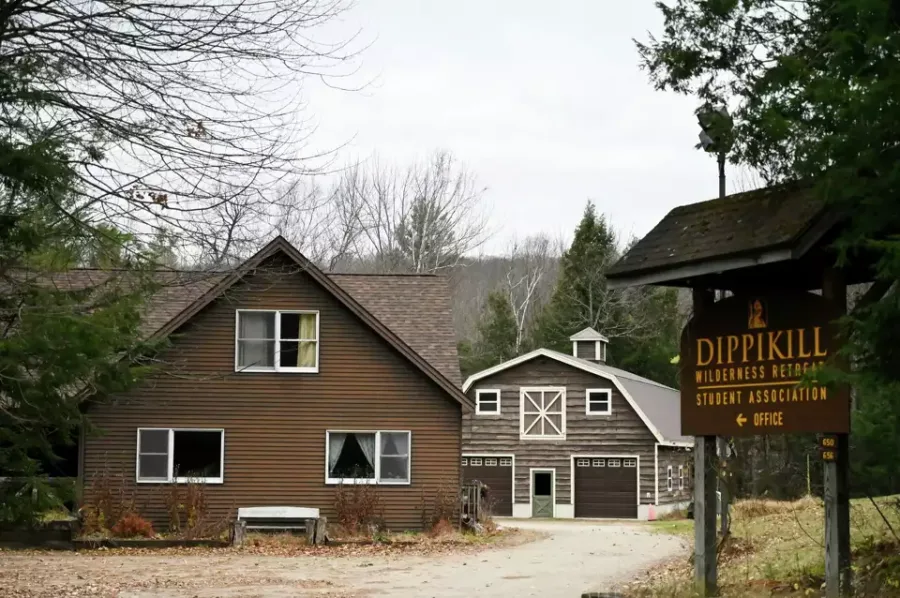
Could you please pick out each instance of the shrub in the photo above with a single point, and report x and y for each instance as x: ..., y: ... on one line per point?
x: 188, y: 511
x: 357, y: 507
x: 107, y: 498
x: 132, y: 525
x: 442, y: 528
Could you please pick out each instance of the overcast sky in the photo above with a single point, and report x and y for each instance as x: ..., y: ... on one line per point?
x: 545, y: 102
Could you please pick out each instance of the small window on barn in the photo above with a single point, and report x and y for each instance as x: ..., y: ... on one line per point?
x: 368, y: 457
x: 681, y: 477
x: 475, y: 462
x: 506, y: 462
x: 599, y: 463
x: 490, y: 463
x: 629, y: 462
x: 465, y: 462
x: 583, y: 462
x: 487, y: 401
x: 614, y: 463
x: 280, y: 341
x: 598, y: 401
x: 174, y: 455
x: 669, y: 483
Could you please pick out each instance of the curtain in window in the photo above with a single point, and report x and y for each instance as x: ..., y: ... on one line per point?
x: 256, y: 334
x: 367, y: 444
x: 336, y: 442
x: 306, y: 357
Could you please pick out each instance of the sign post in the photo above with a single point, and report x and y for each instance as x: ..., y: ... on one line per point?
x: 748, y: 368
x: 837, y: 474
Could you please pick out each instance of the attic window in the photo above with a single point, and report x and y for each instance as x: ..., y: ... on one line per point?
x: 487, y: 402
x: 598, y: 401
x: 280, y: 341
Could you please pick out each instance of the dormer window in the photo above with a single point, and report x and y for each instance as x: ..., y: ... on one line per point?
x: 277, y: 341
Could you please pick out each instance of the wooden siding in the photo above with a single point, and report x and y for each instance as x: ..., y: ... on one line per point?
x: 675, y: 457
x: 586, y: 349
x: 622, y: 433
x: 275, y: 423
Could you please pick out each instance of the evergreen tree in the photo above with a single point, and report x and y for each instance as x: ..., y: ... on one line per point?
x: 496, y: 341
x: 642, y: 324
x: 812, y: 89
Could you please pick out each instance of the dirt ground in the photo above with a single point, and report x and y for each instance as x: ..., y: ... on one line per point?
x: 568, y: 559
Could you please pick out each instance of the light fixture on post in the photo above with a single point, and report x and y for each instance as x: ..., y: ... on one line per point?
x: 716, y: 135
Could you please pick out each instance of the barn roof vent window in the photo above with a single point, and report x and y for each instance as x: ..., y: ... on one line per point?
x: 589, y: 345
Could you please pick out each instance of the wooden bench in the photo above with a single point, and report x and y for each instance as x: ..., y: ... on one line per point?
x: 288, y: 519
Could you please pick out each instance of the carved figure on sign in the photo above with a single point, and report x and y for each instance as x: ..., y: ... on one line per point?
x: 757, y: 318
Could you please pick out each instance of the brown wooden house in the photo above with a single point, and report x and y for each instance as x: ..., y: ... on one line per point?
x: 557, y: 435
x: 280, y: 382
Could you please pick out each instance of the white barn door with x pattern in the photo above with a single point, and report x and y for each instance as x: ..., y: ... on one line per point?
x: 542, y: 412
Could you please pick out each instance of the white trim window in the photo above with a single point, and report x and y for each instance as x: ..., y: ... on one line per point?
x: 599, y: 463
x: 598, y: 401
x: 669, y: 482
x: 681, y: 477
x: 487, y: 401
x: 276, y: 341
x: 542, y: 413
x: 614, y: 463
x: 583, y: 462
x: 367, y: 457
x: 505, y: 461
x: 465, y: 462
x: 180, y: 455
x: 629, y: 462
x: 475, y: 461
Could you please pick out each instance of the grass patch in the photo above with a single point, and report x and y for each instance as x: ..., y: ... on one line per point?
x: 676, y: 527
x: 777, y: 548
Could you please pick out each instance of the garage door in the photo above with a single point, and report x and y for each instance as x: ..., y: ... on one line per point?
x: 496, y: 472
x: 606, y: 488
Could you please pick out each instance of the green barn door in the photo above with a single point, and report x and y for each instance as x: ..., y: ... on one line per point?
x: 542, y: 494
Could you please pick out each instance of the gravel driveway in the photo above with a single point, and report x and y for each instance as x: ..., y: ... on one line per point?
x: 575, y: 557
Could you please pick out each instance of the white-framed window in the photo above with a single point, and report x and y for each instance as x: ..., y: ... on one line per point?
x: 465, y: 462
x: 180, y: 455
x: 475, y: 461
x: 629, y: 462
x: 505, y: 462
x: 487, y: 401
x: 681, y: 477
x: 542, y: 413
x: 614, y: 463
x: 599, y: 463
x: 367, y: 457
x: 669, y: 484
x: 276, y: 341
x: 598, y: 401
x: 583, y: 462
x: 490, y: 463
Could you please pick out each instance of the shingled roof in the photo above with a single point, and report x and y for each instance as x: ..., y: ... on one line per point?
x: 415, y: 308
x: 743, y: 224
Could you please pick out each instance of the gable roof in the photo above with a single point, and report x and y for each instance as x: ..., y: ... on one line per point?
x: 658, y: 406
x: 412, y: 313
x: 588, y: 334
x: 763, y: 226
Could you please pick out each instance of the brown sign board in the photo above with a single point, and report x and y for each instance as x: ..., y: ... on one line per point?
x: 742, y: 361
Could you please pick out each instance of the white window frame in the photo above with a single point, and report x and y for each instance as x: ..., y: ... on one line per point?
x: 523, y: 401
x: 475, y: 461
x: 582, y: 462
x: 633, y: 462
x: 669, y: 482
x: 587, y: 401
x: 614, y: 463
x: 277, y: 367
x: 479, y: 400
x: 465, y: 462
x: 377, y: 481
x: 598, y: 463
x: 506, y: 461
x: 170, y: 478
x: 681, y: 477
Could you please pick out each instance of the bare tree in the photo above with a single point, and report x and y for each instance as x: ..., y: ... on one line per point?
x: 167, y: 109
x: 425, y: 218
x: 530, y: 275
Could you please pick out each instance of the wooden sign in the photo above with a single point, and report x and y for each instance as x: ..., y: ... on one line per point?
x: 742, y: 362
